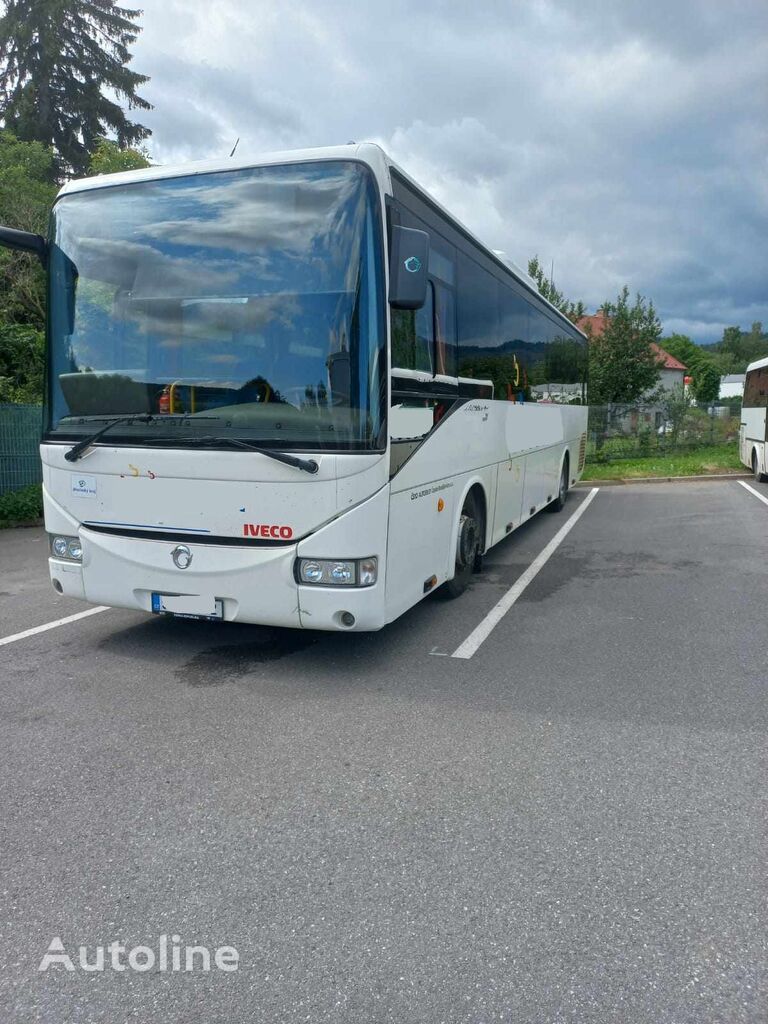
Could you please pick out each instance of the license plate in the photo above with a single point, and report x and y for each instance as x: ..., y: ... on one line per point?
x: 188, y: 606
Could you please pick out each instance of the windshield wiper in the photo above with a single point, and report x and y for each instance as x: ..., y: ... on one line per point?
x: 308, y: 465
x: 76, y: 451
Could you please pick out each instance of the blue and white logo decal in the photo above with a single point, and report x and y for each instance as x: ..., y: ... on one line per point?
x: 413, y: 264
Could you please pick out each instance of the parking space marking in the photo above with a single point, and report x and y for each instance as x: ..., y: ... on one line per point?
x: 499, y: 610
x: 752, y: 490
x: 52, y: 625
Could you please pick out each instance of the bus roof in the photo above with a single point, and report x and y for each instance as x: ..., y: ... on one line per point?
x: 758, y: 364
x: 369, y: 153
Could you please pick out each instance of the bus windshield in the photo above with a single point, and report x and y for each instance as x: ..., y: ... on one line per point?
x: 244, y: 304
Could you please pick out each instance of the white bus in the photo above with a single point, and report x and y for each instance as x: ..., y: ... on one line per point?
x: 292, y: 391
x: 752, y: 432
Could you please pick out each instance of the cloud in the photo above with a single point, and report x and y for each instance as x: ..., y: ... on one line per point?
x: 624, y: 142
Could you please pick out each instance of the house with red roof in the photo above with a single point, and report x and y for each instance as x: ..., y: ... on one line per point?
x: 672, y: 373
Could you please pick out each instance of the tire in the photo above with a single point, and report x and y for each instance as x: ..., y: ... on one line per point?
x: 562, y: 492
x: 469, y: 548
x: 760, y: 477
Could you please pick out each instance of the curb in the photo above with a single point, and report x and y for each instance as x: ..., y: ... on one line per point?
x: 620, y: 481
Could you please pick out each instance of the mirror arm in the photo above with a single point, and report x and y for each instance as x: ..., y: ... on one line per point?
x: 25, y: 241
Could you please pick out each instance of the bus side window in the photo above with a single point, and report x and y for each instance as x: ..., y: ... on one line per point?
x: 413, y: 336
x: 748, y: 400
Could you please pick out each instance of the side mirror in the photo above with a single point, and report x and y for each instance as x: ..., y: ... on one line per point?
x: 25, y: 241
x: 408, y: 268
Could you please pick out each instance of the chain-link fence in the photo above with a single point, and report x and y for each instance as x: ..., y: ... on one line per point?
x: 619, y: 432
x: 21, y: 427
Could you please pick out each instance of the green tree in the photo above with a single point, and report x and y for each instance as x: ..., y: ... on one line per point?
x: 622, y: 365
x: 683, y: 348
x: 706, y: 383
x: 573, y: 310
x: 108, y: 158
x: 21, y: 364
x: 60, y: 63
x: 26, y: 196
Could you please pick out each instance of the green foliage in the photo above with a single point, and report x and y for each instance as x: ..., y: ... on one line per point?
x: 26, y: 196
x: 622, y: 365
x: 708, y: 459
x: 737, y: 348
x: 109, y: 158
x: 675, y: 406
x: 681, y: 347
x: 573, y: 310
x: 21, y: 506
x: 703, y: 366
x: 22, y: 357
x: 60, y: 61
x: 706, y: 383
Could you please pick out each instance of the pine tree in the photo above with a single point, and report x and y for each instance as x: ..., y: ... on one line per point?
x: 56, y: 59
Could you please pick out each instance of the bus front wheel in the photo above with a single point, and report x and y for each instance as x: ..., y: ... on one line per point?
x: 469, y: 547
x: 760, y: 477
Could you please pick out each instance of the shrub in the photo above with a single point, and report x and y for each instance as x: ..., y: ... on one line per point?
x: 21, y: 506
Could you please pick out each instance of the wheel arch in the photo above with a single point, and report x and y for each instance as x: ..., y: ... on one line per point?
x: 477, y: 486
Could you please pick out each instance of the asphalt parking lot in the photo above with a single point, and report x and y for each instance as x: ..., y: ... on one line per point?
x: 570, y: 825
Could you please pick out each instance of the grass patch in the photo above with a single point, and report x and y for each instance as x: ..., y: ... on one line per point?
x: 21, y: 506
x: 713, y: 459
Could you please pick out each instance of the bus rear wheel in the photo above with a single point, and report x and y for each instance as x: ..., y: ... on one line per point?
x: 469, y: 548
x: 760, y: 477
x: 562, y: 491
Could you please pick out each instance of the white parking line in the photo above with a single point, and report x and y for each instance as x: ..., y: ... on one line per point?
x: 497, y: 613
x: 52, y: 625
x: 752, y: 490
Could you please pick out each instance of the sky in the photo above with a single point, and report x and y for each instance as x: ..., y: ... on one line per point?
x: 622, y: 142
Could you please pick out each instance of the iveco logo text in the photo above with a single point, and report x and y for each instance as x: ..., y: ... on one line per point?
x: 413, y: 264
x: 270, y: 532
x: 182, y: 556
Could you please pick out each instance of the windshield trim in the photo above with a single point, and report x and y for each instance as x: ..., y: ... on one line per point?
x: 53, y: 435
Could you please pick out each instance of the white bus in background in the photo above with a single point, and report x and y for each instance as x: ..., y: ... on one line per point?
x: 752, y: 432
x: 292, y: 391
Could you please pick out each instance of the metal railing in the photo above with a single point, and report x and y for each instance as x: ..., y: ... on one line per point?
x: 618, y: 432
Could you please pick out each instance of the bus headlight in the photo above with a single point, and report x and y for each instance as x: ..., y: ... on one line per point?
x: 69, y: 548
x: 338, y: 572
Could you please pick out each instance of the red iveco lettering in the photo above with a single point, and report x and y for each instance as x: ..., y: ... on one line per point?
x: 267, y: 531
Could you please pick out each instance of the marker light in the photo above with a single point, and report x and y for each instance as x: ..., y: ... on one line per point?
x: 337, y: 572
x: 68, y: 548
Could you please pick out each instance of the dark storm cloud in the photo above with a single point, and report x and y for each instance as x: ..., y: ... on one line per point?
x: 626, y: 142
